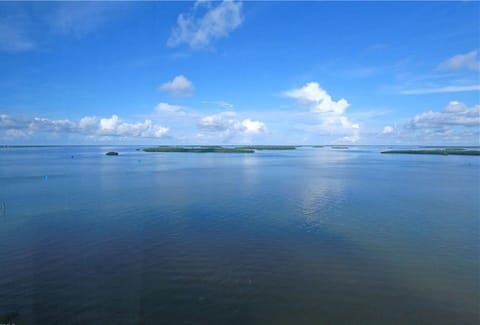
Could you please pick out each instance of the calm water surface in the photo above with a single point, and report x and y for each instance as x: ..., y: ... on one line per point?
x: 309, y: 236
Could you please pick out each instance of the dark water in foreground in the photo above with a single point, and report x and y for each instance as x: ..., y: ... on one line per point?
x: 295, y: 237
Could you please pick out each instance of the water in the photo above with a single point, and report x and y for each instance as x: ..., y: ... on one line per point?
x: 290, y: 237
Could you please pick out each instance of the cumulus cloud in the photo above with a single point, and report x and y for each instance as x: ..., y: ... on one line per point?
x: 318, y: 99
x: 454, y: 114
x: 115, y: 127
x: 170, y: 109
x: 227, y: 123
x: 466, y: 61
x: 252, y: 127
x: 454, y: 124
x: 331, y: 113
x: 179, y: 86
x: 206, y: 22
x: 387, y: 129
x: 88, y: 125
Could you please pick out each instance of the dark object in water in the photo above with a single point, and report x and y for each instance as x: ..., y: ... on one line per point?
x: 112, y: 153
x: 4, y: 209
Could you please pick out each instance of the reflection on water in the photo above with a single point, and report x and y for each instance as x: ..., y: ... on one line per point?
x: 305, y: 236
x: 409, y: 226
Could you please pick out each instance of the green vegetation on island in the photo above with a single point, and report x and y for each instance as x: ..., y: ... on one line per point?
x: 267, y: 147
x: 112, y: 153
x: 318, y: 146
x: 219, y: 149
x: 445, y: 151
x: 200, y: 149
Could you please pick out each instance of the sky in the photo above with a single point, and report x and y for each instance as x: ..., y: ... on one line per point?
x: 229, y: 72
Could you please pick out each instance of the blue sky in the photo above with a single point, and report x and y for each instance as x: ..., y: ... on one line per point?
x: 240, y: 72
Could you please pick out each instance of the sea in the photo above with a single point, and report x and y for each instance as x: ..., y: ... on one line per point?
x: 305, y: 236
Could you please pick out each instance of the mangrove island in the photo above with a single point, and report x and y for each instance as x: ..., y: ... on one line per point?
x: 446, y: 151
x: 198, y: 149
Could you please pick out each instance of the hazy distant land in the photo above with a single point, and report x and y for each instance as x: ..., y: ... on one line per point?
x: 446, y: 151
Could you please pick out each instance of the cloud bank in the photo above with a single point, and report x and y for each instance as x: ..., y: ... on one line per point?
x: 88, y: 125
x: 454, y: 114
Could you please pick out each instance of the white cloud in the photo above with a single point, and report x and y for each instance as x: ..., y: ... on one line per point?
x: 88, y: 122
x: 113, y: 126
x: 206, y: 22
x: 170, y: 109
x: 351, y: 138
x: 330, y: 112
x: 318, y: 99
x: 217, y: 122
x: 179, y: 86
x: 454, y: 124
x: 387, y: 129
x: 227, y: 123
x: 88, y: 125
x: 446, y: 89
x: 467, y: 61
x: 41, y: 124
x: 454, y: 114
x: 109, y: 124
x: 253, y: 127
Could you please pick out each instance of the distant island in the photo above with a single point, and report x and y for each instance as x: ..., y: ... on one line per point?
x: 218, y: 149
x: 268, y: 147
x: 198, y: 149
x: 339, y: 147
x: 112, y: 153
x: 445, y: 151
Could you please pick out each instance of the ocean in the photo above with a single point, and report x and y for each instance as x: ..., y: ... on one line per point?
x: 306, y: 236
